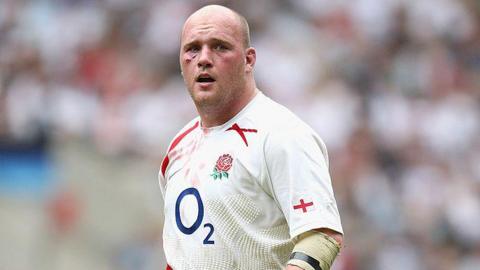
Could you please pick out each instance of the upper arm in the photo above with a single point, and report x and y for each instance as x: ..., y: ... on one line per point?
x: 297, y: 166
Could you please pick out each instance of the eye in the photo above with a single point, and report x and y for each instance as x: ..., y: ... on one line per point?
x: 192, y: 49
x: 220, y: 47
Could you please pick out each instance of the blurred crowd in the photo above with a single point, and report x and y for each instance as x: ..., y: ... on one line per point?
x: 392, y: 86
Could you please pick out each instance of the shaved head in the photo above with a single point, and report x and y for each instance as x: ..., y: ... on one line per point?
x: 211, y: 11
x: 217, y: 63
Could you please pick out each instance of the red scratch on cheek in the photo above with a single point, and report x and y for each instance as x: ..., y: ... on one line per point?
x: 189, y: 57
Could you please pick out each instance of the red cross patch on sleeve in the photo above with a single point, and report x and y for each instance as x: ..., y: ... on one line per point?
x: 303, y: 205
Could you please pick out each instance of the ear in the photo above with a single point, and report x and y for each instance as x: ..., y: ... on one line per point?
x: 250, y: 59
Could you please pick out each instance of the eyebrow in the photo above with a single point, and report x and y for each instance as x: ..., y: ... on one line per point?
x: 211, y: 40
x: 222, y: 41
x: 186, y: 45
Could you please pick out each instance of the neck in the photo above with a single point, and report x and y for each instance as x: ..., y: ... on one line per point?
x: 219, y: 115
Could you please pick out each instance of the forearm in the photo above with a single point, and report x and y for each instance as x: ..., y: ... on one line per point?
x: 315, y: 250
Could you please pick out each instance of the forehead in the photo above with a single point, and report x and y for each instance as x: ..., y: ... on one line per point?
x: 207, y: 26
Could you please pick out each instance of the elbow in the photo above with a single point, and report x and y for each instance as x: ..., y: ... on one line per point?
x: 338, y: 237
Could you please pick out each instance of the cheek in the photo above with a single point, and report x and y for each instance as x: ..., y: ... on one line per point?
x: 189, y: 56
x: 233, y: 65
x: 186, y: 69
x: 237, y: 70
x: 186, y: 61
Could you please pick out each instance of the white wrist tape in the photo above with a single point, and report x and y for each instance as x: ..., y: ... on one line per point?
x: 314, y: 251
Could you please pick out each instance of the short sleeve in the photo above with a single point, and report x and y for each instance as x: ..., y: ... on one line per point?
x: 161, y: 183
x: 297, y: 167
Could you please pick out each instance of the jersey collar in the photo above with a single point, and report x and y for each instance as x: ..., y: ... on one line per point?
x: 230, y: 122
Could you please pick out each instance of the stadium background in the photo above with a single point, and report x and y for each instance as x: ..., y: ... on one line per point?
x: 91, y: 94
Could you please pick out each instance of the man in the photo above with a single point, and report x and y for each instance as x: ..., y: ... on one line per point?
x: 245, y: 184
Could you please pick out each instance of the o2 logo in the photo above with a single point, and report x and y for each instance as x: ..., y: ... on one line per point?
x: 190, y: 230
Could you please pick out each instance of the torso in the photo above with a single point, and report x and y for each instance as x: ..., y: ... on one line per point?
x: 221, y: 214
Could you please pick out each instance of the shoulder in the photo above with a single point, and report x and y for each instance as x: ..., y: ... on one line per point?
x: 283, y: 129
x: 184, y: 132
x: 279, y: 121
x: 177, y: 139
x: 273, y: 116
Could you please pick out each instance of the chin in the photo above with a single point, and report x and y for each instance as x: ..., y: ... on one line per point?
x: 205, y: 98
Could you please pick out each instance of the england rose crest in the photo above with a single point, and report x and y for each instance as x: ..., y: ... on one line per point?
x: 224, y: 163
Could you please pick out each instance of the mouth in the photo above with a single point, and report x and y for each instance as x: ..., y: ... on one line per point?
x: 205, y: 78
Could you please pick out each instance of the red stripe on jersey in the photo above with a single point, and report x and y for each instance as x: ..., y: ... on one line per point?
x: 168, y: 267
x: 165, y: 164
x: 175, y: 142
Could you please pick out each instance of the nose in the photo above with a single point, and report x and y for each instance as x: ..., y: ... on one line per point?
x: 205, y: 58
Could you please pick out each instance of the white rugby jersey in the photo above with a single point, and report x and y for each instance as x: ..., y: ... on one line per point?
x: 236, y: 195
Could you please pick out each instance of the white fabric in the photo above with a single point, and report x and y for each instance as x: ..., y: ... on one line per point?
x: 249, y: 215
